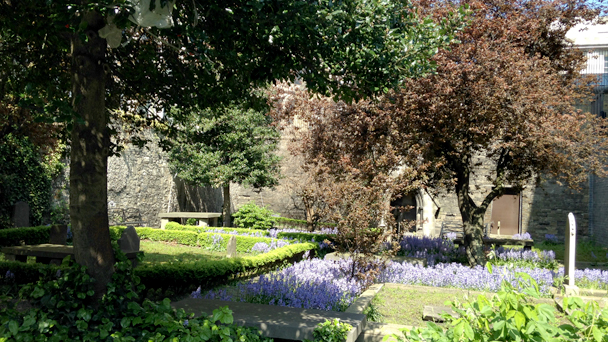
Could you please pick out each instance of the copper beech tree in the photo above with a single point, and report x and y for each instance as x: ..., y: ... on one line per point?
x: 503, y: 97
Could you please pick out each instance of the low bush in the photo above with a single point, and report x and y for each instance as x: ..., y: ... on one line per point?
x: 511, y: 316
x: 188, y: 276
x: 223, y: 230
x: 331, y: 331
x: 302, y: 236
x: 25, y: 235
x: 65, y: 309
x: 254, y: 217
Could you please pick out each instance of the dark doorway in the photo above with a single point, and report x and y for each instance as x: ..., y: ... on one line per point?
x: 506, y: 213
x: 404, y: 212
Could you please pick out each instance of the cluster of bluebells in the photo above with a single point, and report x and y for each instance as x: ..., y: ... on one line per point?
x: 234, y: 232
x: 434, y: 250
x: 263, y: 247
x: 544, y: 259
x: 8, y: 276
x: 524, y: 236
x: 456, y: 275
x: 551, y: 238
x: 309, y: 284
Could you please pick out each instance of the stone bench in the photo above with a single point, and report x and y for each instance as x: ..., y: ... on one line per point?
x: 498, y: 241
x: 54, y: 253
x: 204, y: 219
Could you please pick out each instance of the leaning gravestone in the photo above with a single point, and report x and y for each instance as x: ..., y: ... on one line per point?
x: 59, y: 234
x: 129, y: 243
x: 231, y: 248
x: 129, y: 240
x: 21, y: 214
x: 570, y: 258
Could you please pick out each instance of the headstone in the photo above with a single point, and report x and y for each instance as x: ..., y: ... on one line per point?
x: 570, y: 258
x: 231, y: 248
x: 129, y: 240
x: 21, y: 214
x: 59, y: 234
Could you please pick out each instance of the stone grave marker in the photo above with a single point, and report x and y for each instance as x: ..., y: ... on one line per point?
x: 21, y: 214
x: 570, y: 288
x: 129, y: 243
x: 231, y: 248
x: 59, y: 234
x: 129, y: 240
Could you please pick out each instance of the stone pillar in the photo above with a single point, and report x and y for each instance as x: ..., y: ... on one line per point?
x: 570, y: 288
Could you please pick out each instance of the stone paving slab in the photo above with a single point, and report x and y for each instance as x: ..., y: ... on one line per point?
x: 276, y: 321
x: 375, y: 332
x: 433, y: 313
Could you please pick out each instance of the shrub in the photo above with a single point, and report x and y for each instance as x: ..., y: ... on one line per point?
x: 65, y: 309
x: 331, y: 331
x: 27, y: 235
x: 511, y: 316
x: 252, y: 216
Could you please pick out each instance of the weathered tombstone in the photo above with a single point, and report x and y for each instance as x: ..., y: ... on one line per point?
x: 59, y: 234
x: 129, y: 243
x: 129, y: 240
x: 570, y: 258
x: 21, y: 214
x: 231, y: 248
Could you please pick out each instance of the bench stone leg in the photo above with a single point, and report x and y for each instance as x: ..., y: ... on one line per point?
x: 163, y: 223
x: 203, y: 223
x: 13, y: 257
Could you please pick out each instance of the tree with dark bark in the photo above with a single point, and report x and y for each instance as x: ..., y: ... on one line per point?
x: 503, y: 98
x: 54, y: 58
x: 227, y: 145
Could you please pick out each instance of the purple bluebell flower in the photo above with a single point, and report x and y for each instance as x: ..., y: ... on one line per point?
x: 9, y: 275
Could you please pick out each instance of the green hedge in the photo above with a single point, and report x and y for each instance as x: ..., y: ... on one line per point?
x: 286, y: 222
x: 189, y: 276
x: 305, y: 237
x: 200, y: 229
x: 179, y: 277
x: 27, y: 235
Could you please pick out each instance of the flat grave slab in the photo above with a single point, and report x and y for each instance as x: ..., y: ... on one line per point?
x: 276, y: 321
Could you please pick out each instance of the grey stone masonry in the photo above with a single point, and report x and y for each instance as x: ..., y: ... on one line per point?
x: 59, y: 234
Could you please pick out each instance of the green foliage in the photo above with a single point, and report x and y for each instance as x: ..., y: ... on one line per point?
x: 305, y: 236
x: 509, y: 315
x: 188, y: 276
x: 331, y: 331
x: 23, y: 177
x: 25, y: 235
x: 190, y: 222
x: 254, y: 217
x: 228, y: 145
x: 65, y: 309
x: 295, y: 223
x: 202, y: 229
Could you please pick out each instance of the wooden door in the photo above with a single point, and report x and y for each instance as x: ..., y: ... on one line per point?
x: 506, y: 210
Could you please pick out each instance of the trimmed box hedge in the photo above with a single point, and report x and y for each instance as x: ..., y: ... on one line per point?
x: 201, y: 229
x: 25, y: 235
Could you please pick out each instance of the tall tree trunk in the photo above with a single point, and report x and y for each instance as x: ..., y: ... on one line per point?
x: 89, y: 155
x: 226, y: 212
x: 473, y: 237
x: 310, y: 218
x: 472, y: 219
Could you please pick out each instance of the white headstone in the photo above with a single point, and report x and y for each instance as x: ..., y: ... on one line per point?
x: 231, y: 248
x: 570, y: 257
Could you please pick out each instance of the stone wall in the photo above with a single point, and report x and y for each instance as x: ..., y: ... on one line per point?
x: 598, y: 206
x: 140, y: 178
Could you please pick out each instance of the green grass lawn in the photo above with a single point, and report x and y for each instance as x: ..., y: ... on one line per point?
x: 586, y: 251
